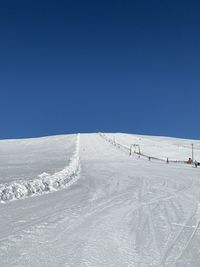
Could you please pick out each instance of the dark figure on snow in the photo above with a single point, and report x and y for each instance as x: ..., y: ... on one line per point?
x: 195, y: 164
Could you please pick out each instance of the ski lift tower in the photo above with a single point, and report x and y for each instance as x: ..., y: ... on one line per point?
x: 136, y: 148
x: 192, y: 153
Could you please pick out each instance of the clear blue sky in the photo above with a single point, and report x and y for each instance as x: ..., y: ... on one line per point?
x: 87, y: 66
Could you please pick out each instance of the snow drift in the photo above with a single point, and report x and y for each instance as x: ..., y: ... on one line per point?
x: 45, y: 182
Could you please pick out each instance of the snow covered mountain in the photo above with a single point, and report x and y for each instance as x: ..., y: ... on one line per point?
x: 82, y: 200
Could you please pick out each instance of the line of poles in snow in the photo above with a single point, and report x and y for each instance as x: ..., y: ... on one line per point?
x: 133, y: 147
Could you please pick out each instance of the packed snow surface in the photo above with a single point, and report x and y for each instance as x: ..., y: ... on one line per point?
x: 106, y: 209
x: 25, y: 159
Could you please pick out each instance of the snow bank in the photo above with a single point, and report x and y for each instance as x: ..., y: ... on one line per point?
x: 45, y: 182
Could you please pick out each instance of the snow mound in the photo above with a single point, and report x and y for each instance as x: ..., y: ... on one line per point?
x: 45, y: 182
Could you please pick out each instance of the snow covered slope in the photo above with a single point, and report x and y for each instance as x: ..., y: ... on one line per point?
x: 25, y: 159
x: 117, y: 211
x: 45, y: 182
x: 160, y: 147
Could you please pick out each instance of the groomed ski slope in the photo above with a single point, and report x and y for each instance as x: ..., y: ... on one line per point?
x: 118, y: 211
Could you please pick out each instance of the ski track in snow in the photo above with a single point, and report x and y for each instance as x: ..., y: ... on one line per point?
x: 45, y: 183
x: 173, y: 243
x: 121, y: 212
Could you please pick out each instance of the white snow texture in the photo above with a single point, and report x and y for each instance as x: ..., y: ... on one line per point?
x: 44, y: 183
x: 115, y: 210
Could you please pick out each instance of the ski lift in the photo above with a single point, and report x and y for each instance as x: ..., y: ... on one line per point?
x: 136, y: 148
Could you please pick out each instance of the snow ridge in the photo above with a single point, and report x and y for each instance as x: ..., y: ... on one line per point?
x: 45, y: 183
